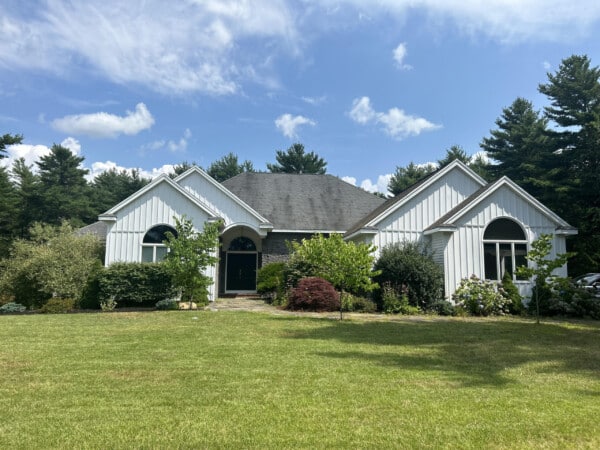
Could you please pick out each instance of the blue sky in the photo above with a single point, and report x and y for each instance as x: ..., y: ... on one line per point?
x: 366, y: 85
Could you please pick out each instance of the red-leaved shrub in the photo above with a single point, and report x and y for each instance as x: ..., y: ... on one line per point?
x: 314, y: 294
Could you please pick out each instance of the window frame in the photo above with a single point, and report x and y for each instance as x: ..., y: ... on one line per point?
x: 500, y: 267
x: 155, y: 245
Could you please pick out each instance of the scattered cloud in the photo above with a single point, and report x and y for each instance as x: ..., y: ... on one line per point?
x: 104, y: 125
x: 287, y: 124
x: 380, y: 186
x: 315, y: 101
x: 72, y: 144
x: 197, y: 46
x: 395, y: 121
x: 179, y: 145
x: 400, y: 53
x: 101, y: 167
x: 546, y: 65
x: 32, y: 153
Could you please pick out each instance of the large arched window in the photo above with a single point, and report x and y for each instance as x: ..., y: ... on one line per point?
x: 242, y: 244
x: 153, y: 247
x: 504, y: 248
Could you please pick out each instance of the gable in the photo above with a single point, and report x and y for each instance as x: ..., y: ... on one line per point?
x: 502, y: 199
x: 415, y: 209
x: 218, y: 198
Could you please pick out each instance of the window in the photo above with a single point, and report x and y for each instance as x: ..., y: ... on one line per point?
x: 242, y: 244
x: 504, y: 248
x: 153, y: 247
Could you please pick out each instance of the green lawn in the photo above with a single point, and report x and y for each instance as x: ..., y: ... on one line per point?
x: 240, y: 380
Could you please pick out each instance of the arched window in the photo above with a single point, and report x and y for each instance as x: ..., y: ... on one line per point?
x: 153, y: 247
x: 504, y: 248
x: 242, y: 244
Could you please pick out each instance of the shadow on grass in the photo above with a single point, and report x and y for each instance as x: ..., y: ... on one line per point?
x: 470, y: 352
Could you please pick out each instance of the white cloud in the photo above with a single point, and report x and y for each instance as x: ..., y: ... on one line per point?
x: 380, y: 186
x: 104, y: 125
x: 361, y: 111
x: 502, y: 20
x: 287, y: 124
x: 101, y: 167
x: 400, y: 53
x: 314, y: 100
x: 350, y: 180
x: 173, y: 146
x: 32, y: 153
x: 395, y: 121
x: 546, y: 65
x: 195, y: 46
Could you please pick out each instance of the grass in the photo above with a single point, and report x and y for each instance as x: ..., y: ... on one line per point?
x: 248, y: 380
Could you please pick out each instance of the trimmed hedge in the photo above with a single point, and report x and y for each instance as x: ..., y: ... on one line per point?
x: 135, y: 284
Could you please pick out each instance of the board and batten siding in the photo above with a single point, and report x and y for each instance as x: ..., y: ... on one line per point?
x: 157, y: 206
x: 411, y: 219
x: 218, y: 201
x: 463, y: 252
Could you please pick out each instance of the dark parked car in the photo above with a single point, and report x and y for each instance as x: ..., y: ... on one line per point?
x: 590, y: 282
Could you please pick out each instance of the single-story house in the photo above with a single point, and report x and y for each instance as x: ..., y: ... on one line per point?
x: 472, y: 226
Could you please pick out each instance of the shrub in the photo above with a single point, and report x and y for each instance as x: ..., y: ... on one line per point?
x: 443, y: 308
x: 90, y: 297
x: 510, y: 292
x: 12, y: 308
x: 353, y: 303
x: 167, y: 304
x: 108, y: 304
x: 270, y: 282
x: 58, y: 306
x: 480, y: 298
x: 410, y: 266
x: 396, y: 301
x: 135, y: 284
x: 566, y: 299
x: 314, y: 294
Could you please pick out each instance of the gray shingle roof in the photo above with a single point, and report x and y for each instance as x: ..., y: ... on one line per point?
x: 303, y: 201
x: 98, y: 229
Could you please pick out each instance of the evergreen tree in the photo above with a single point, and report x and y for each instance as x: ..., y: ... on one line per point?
x: 405, y: 177
x: 9, y: 139
x: 454, y: 152
x: 574, y: 94
x: 523, y: 150
x: 295, y: 160
x: 65, y: 192
x: 28, y: 189
x: 8, y: 211
x: 228, y: 167
x: 181, y: 167
x: 113, y: 186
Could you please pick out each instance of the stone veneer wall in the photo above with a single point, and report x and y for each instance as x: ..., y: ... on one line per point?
x: 275, y: 248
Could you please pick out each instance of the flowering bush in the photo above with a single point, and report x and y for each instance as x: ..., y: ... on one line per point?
x: 480, y: 298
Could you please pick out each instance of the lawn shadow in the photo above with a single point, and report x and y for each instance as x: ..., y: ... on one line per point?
x: 471, y: 351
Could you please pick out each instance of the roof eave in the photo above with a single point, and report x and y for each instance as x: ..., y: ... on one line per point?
x: 440, y: 229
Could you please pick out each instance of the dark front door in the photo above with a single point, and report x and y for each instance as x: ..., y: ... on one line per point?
x: 241, y: 272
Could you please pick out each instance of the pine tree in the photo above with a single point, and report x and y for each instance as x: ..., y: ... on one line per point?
x: 295, y: 160
x: 28, y: 189
x: 113, y: 186
x: 65, y: 192
x: 404, y: 177
x: 228, y: 167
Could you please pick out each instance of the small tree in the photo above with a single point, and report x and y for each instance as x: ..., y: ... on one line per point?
x: 542, y: 268
x: 346, y: 265
x: 190, y: 253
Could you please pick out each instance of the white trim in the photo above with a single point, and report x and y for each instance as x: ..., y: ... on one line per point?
x: 308, y: 231
x: 108, y: 215
x: 227, y: 192
x: 434, y: 178
x: 505, y: 181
